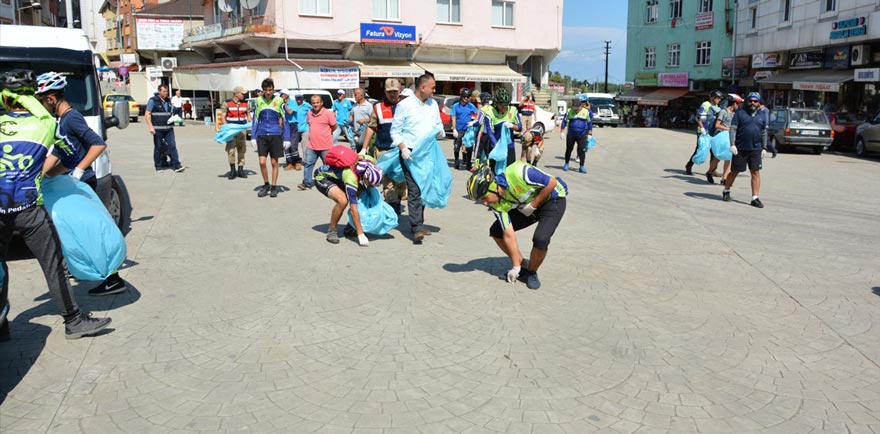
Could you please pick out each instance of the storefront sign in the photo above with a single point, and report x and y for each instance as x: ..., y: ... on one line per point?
x: 385, y: 33
x: 159, y: 34
x: 815, y: 86
x: 704, y: 20
x: 765, y: 60
x: 742, y: 67
x: 806, y: 59
x: 849, y: 28
x: 339, y: 78
x: 837, y: 57
x: 672, y: 79
x: 763, y: 74
x: 867, y: 75
x: 646, y: 79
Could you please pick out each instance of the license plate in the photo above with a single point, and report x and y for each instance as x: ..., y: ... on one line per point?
x: 809, y: 133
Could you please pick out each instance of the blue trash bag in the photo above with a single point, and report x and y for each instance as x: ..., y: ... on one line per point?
x: 591, y: 143
x: 229, y: 131
x: 720, y: 145
x: 91, y: 243
x: 470, y: 137
x: 430, y: 171
x: 703, y: 146
x: 389, y: 162
x: 377, y: 217
x: 499, y: 152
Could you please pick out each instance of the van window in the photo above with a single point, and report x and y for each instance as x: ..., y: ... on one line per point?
x: 81, y: 91
x: 602, y: 102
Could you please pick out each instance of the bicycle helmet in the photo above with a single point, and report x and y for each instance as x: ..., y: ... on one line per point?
x: 716, y: 94
x: 502, y: 96
x: 465, y: 92
x: 479, y: 183
x: 20, y: 81
x: 732, y: 97
x: 49, y: 81
x: 583, y: 98
x: 369, y: 172
x: 485, y: 97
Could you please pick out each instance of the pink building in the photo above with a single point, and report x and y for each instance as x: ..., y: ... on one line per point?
x: 348, y: 43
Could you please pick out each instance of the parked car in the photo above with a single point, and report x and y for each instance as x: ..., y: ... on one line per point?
x: 844, y: 125
x: 605, y: 110
x: 791, y: 127
x: 133, y: 106
x: 542, y: 119
x: 446, y: 102
x: 868, y: 136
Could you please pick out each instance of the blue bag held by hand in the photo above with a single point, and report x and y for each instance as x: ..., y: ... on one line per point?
x: 431, y: 171
x: 591, y: 143
x: 470, y: 137
x: 702, y: 153
x: 720, y: 144
x: 499, y: 152
x: 377, y: 217
x: 91, y: 243
x: 229, y: 131
x: 389, y: 162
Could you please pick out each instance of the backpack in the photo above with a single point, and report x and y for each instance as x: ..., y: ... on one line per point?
x: 341, y: 156
x: 711, y: 117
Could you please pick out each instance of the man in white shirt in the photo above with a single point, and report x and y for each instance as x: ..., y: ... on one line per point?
x: 414, y: 118
x: 177, y: 104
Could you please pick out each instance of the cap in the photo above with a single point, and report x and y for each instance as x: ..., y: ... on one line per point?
x: 475, y: 93
x: 238, y: 89
x: 298, y: 94
x: 340, y: 92
x: 284, y: 92
x: 406, y: 92
x: 392, y: 84
x: 754, y: 96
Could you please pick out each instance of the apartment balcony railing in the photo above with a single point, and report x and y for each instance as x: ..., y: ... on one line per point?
x: 229, y: 28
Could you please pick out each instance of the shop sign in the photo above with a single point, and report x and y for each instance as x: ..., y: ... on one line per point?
x: 849, y: 28
x: 385, y: 33
x: 867, y: 75
x: 765, y: 60
x: 646, y: 79
x: 339, y: 78
x: 806, y: 59
x: 672, y: 79
x: 760, y: 75
x: 815, y: 86
x: 704, y: 20
x: 742, y: 66
x: 837, y: 57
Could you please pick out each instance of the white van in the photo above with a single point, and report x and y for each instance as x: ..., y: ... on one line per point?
x: 605, y: 110
x: 43, y: 49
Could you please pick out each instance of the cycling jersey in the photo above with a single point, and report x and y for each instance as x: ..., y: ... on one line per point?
x: 78, y: 138
x: 266, y: 117
x: 579, y: 122
x: 342, y: 109
x: 524, y: 182
x: 494, y: 120
x: 344, y: 178
x: 25, y: 140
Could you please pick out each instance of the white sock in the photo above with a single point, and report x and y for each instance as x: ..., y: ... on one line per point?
x: 754, y: 197
x: 726, y: 190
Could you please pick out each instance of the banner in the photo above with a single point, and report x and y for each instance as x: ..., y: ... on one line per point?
x: 388, y: 33
x: 339, y: 78
x: 672, y: 79
x: 159, y: 34
x: 742, y: 66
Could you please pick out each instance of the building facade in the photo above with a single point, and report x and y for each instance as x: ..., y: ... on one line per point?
x: 812, y: 53
x: 677, y: 47
x: 344, y: 44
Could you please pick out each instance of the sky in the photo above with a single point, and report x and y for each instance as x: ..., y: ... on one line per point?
x: 586, y: 25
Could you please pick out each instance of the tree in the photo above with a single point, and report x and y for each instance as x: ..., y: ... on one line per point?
x: 556, y: 77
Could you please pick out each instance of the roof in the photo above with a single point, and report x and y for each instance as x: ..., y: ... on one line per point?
x: 108, y: 5
x: 175, y: 8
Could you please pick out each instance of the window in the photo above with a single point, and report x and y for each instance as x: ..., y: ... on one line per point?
x: 704, y: 52
x: 650, y: 57
x: 314, y: 7
x: 449, y: 11
x: 829, y: 5
x: 786, y: 10
x: 674, y: 9
x: 673, y: 55
x: 753, y: 18
x: 502, y: 13
x: 652, y: 12
x: 705, y: 5
x: 386, y: 10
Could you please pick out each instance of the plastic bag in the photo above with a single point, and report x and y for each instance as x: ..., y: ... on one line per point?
x: 430, y: 171
x: 499, y: 152
x: 229, y: 131
x: 591, y: 143
x: 720, y: 145
x: 702, y: 149
x: 470, y: 137
x: 91, y: 243
x: 389, y: 162
x: 377, y: 217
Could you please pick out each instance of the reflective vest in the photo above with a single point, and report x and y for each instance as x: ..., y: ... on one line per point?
x: 520, y: 192
x: 384, y: 116
x: 527, y: 108
x: 236, y: 113
x: 497, y: 119
x: 160, y: 114
x: 25, y: 141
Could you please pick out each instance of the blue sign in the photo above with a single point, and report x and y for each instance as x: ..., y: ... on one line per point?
x: 837, y: 57
x: 387, y: 33
x: 849, y: 28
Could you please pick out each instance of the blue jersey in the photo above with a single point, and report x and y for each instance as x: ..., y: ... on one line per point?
x: 73, y: 129
x: 25, y: 140
x: 301, y: 111
x: 342, y: 109
x: 464, y: 114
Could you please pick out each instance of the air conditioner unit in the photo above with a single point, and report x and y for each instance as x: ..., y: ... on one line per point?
x: 695, y: 86
x: 168, y: 63
x: 860, y: 55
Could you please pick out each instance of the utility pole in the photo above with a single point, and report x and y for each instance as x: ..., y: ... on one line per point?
x: 607, y: 51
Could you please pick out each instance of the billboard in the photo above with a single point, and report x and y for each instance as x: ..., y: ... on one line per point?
x: 159, y: 34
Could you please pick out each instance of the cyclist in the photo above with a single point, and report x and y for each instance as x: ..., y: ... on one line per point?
x: 26, y: 134
x: 463, y: 114
x: 501, y: 113
x: 83, y: 146
x: 481, y: 148
x: 579, y: 120
x: 342, y: 185
x: 706, y: 114
x: 520, y: 197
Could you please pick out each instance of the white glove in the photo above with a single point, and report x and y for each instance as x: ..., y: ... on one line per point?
x: 286, y: 145
x: 77, y: 173
x: 512, y: 274
x: 363, y: 241
x: 472, y: 123
x: 562, y: 135
x: 454, y: 133
x: 527, y: 209
x: 733, y: 150
x: 254, y: 143
x: 701, y: 131
x: 406, y: 154
x: 509, y: 125
x: 763, y: 153
x: 363, y: 151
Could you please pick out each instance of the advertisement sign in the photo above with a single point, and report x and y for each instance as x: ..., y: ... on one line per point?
x: 814, y: 86
x: 763, y: 74
x: 128, y: 58
x: 867, y: 75
x: 742, y: 66
x: 837, y: 57
x: 159, y: 34
x: 339, y: 78
x: 765, y: 60
x: 849, y: 28
x: 672, y: 79
x: 704, y: 20
x: 806, y: 59
x: 647, y: 79
x: 387, y: 33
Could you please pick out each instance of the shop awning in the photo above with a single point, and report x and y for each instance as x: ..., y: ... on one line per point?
x: 662, y: 96
x: 472, y: 72
x: 382, y: 69
x: 635, y: 94
x: 250, y: 73
x: 815, y: 80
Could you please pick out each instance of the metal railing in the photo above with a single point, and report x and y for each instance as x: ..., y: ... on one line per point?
x: 223, y: 28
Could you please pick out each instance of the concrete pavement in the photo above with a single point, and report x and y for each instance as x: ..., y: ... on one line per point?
x: 662, y: 310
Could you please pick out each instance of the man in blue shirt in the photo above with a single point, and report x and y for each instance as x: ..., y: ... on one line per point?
x: 747, y: 146
x: 158, y: 114
x: 342, y: 107
x: 464, y: 114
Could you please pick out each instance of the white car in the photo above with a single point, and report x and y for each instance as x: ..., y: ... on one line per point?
x: 542, y: 119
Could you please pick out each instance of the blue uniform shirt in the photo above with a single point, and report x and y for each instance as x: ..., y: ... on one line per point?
x: 342, y: 109
x: 463, y: 115
x: 74, y: 130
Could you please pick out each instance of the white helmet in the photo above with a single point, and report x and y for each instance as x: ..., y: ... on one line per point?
x: 49, y: 81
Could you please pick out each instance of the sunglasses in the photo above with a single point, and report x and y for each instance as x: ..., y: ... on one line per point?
x: 754, y: 101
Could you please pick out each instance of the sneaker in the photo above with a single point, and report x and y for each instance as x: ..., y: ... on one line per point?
x: 709, y: 178
x: 565, y: 167
x: 180, y: 169
x: 349, y: 231
x: 725, y: 196
x: 4, y: 331
x: 113, y: 285
x: 582, y: 169
x: 530, y: 278
x: 264, y: 190
x: 84, y: 325
x: 289, y: 167
x: 332, y: 236
x: 273, y: 192
x: 303, y: 187
x: 756, y: 202
x: 687, y: 169
x: 298, y: 166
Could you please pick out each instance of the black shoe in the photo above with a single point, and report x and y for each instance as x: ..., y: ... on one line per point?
x: 456, y: 165
x: 231, y: 175
x: 530, y: 278
x: 264, y: 190
x: 349, y: 231
x: 84, y: 325
x: 273, y: 191
x: 180, y: 169
x: 241, y: 173
x: 710, y: 178
x: 687, y: 169
x: 4, y: 331
x: 113, y: 285
x: 725, y: 196
x: 756, y: 202
x: 774, y: 154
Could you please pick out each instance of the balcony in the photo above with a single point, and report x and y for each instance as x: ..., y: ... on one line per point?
x: 238, y: 26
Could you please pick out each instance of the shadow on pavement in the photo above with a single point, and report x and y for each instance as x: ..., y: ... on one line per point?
x: 711, y: 196
x: 876, y: 290
x: 491, y: 266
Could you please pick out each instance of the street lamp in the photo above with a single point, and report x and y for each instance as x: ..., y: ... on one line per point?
x: 35, y: 8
